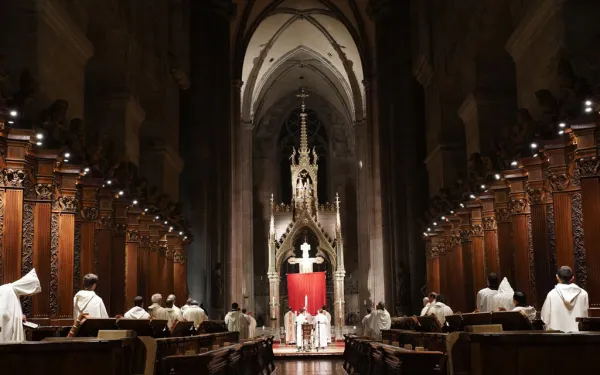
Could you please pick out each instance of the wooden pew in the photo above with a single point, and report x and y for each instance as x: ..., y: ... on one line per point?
x: 74, y: 357
x: 590, y: 324
x: 212, y: 326
x: 433, y: 341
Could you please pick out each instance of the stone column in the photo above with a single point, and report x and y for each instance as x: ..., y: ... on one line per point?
x: 103, y: 237
x: 537, y: 196
x: 274, y: 307
x: 45, y: 190
x: 339, y: 307
x: 132, y: 275
x: 65, y: 208
x: 522, y: 246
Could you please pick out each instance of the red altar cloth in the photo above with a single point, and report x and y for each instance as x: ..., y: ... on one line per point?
x: 311, y: 285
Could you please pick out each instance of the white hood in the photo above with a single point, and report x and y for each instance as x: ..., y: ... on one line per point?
x: 505, y: 287
x: 83, y: 297
x: 568, y: 293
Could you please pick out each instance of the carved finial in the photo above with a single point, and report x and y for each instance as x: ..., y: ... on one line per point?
x: 304, y: 150
x: 272, y: 223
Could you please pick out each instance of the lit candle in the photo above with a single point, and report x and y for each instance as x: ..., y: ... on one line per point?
x: 273, y: 301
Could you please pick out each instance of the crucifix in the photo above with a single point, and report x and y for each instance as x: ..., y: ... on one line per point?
x: 306, y: 263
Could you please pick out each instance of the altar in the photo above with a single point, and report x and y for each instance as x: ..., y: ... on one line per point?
x: 289, y: 223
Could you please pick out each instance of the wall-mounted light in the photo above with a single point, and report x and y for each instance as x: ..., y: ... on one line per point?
x: 14, y: 113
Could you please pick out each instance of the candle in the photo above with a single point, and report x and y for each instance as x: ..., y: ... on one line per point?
x: 305, y: 301
x: 273, y: 301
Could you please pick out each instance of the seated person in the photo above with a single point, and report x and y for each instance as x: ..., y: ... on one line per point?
x: 484, y: 296
x: 521, y: 305
x: 503, y: 300
x: 438, y: 308
x: 137, y: 311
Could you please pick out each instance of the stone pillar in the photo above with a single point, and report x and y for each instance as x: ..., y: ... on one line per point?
x: 522, y: 246
x: 586, y: 170
x: 274, y: 307
x: 65, y: 208
x: 504, y: 231
x: 103, y: 237
x: 537, y: 196
x: 144, y: 258
x: 339, y: 308
x: 132, y: 275
x: 490, y: 235
x: 118, y: 260
x: 45, y: 190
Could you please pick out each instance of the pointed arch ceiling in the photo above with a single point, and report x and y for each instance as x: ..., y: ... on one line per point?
x: 302, y: 44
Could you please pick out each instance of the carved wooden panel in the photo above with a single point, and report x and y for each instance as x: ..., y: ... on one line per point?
x: 564, y: 230
x: 77, y: 272
x: 435, y: 269
x: 88, y: 247
x: 505, y: 250
x: 469, y: 292
x: 544, y: 272
x: 457, y: 276
x: 42, y: 259
x: 492, y: 259
x: 580, y: 254
x: 143, y: 254
x: 66, y: 250
x: 590, y: 195
x: 479, y: 278
x: 54, y: 233
x: 163, y: 275
x: 103, y: 239
x: 131, y: 272
x: 117, y: 292
x: 27, y: 252
x: 551, y: 237
x: 153, y: 273
x: 520, y: 237
x: 2, y: 199
x: 13, y: 235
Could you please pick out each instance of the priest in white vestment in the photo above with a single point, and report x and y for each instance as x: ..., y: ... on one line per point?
x: 438, y: 308
x: 380, y: 320
x: 11, y: 315
x: 187, y: 304
x: 87, y: 302
x: 321, y: 334
x: 173, y: 313
x: 193, y: 313
x: 484, y: 296
x: 137, y: 311
x: 521, y: 305
x: 565, y: 303
x: 251, y: 326
x: 236, y: 321
x: 300, y: 320
x: 289, y: 323
x: 328, y: 315
x: 366, y: 323
x: 156, y: 310
x: 171, y: 300
x: 503, y: 300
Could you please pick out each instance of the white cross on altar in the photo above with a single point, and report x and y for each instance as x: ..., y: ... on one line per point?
x: 306, y: 263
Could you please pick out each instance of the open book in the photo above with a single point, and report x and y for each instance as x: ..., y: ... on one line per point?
x: 31, y: 325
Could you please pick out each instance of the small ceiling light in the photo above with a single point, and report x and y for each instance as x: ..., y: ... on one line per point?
x: 588, y: 109
x: 483, y: 186
x: 109, y: 182
x: 11, y: 122
x: 135, y: 202
x: 166, y: 222
x: 497, y: 175
x: 157, y: 217
x: 121, y: 192
x: 562, y: 124
x: 443, y: 217
x: 39, y: 136
x: 39, y: 143
x: 561, y: 132
x: 514, y: 163
x: 472, y: 196
x: 185, y: 238
x: 66, y: 160
x: 425, y: 234
x: 534, y: 145
x: 67, y: 155
x: 588, y: 103
x: 462, y: 205
x: 429, y: 229
x: 434, y: 223
x: 170, y: 229
x: 535, y: 155
x: 14, y: 113
x: 451, y: 212
x: 145, y: 210
x: 181, y: 233
x: 86, y: 170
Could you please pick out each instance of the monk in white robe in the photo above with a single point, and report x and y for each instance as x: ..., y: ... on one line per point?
x: 300, y: 320
x: 380, y: 320
x: 521, y: 305
x: 237, y: 321
x: 565, y: 303
x: 156, y: 310
x: 328, y: 315
x: 366, y: 323
x: 438, y: 309
x: 173, y: 313
x: 87, y: 302
x: 251, y: 326
x: 321, y: 334
x: 187, y: 304
x: 137, y: 311
x: 11, y: 315
x: 484, y: 296
x: 171, y: 300
x: 289, y: 322
x: 193, y: 313
x: 503, y: 300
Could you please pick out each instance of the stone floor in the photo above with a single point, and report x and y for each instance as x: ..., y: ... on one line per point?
x: 309, y: 367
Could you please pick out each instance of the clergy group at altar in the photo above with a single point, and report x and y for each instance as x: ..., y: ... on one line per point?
x: 87, y: 304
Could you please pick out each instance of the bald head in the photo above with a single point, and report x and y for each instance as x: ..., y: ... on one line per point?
x: 425, y: 301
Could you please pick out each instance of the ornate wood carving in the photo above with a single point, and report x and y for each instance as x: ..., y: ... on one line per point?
x: 44, y: 192
x: 559, y: 182
x: 489, y: 223
x: 162, y: 250
x: 13, y: 177
x: 531, y: 256
x: 517, y: 206
x: 503, y: 214
x: 54, y: 265
x: 27, y: 252
x: 586, y: 167
x: 477, y: 230
x: 120, y: 229
x: 154, y: 245
x: 133, y: 236
x: 68, y: 204
x: 77, y: 258
x: 89, y: 213
x: 144, y: 241
x: 551, y: 236
x: 1, y: 232
x: 28, y: 189
x: 536, y: 196
x: 579, y: 249
x: 104, y: 222
x: 465, y: 235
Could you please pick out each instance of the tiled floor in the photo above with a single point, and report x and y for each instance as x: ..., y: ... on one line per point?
x: 309, y: 367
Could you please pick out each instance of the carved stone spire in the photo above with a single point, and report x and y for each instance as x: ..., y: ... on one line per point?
x: 272, y: 223
x: 338, y: 219
x: 304, y: 151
